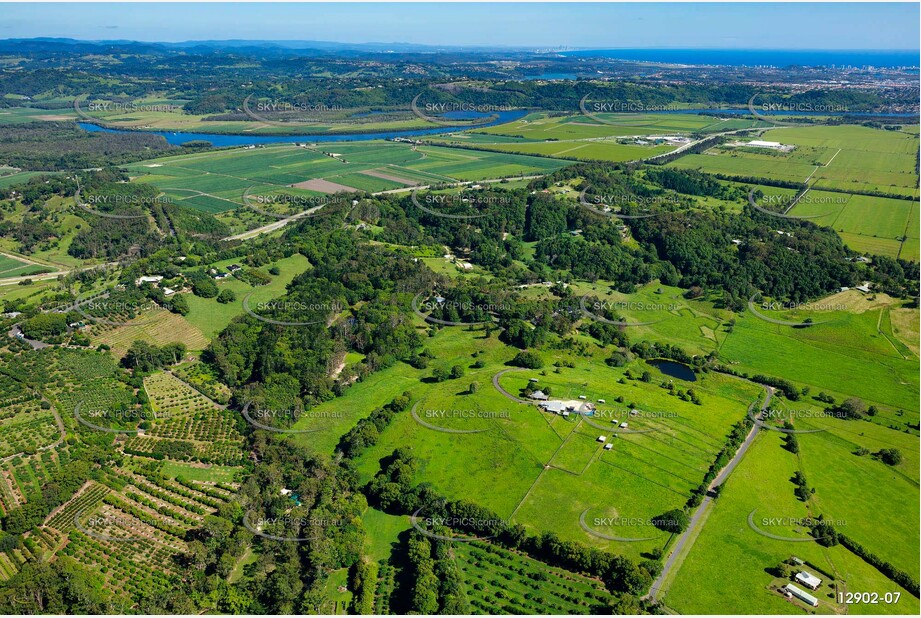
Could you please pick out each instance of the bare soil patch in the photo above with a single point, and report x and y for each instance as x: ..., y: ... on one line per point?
x: 323, y: 186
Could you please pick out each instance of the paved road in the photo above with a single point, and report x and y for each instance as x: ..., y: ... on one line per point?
x: 656, y: 589
x: 275, y: 225
x: 54, y: 275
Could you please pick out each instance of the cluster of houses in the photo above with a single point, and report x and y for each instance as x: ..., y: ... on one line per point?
x: 563, y: 408
x: 863, y: 287
x: 807, y: 580
x: 154, y: 280
x: 581, y: 406
x: 461, y: 265
x: 219, y: 276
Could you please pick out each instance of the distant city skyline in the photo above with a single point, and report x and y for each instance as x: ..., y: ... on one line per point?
x: 726, y: 26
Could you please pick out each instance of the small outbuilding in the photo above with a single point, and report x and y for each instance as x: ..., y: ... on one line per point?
x: 601, y: 439
x: 802, y: 595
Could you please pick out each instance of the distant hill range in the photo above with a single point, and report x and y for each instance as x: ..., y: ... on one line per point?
x: 48, y: 45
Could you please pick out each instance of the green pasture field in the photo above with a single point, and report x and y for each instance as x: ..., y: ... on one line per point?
x: 693, y: 324
x: 653, y: 472
x: 865, y: 363
x: 910, y: 250
x: 846, y: 356
x: 879, y: 503
x: 211, y: 317
x: 14, y: 115
x: 177, y: 120
x: 66, y: 225
x: 8, y: 178
x: 762, y: 483
x: 517, y: 440
x: 211, y: 473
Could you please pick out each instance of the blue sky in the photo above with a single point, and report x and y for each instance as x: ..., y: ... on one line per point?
x: 647, y: 25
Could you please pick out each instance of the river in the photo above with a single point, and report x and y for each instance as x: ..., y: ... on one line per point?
x: 219, y: 140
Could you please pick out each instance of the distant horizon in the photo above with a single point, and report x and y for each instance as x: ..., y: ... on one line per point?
x: 583, y: 26
x: 569, y: 48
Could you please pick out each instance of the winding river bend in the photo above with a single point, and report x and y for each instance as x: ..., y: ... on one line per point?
x: 220, y: 140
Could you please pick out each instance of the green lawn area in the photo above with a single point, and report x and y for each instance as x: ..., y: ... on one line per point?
x: 213, y: 473
x: 382, y: 532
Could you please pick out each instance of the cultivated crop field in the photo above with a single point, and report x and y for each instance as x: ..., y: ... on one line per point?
x: 216, y: 182
x: 11, y: 267
x: 172, y: 397
x: 875, y: 225
x: 202, y: 378
x: 22, y: 476
x: 607, y: 137
x: 27, y: 432
x: 541, y: 127
x: 498, y: 579
x: 84, y: 378
x: 155, y: 325
x: 132, y: 526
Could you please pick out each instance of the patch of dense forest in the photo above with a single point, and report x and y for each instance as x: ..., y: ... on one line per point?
x: 56, y: 146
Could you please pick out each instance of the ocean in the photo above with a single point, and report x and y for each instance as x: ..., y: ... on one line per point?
x: 762, y: 57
